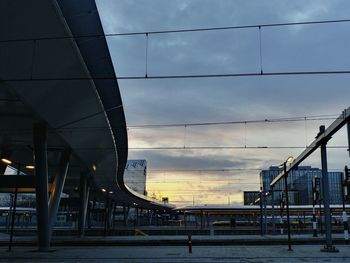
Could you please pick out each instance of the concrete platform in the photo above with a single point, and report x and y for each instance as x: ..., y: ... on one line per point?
x: 181, y: 240
x: 160, y: 254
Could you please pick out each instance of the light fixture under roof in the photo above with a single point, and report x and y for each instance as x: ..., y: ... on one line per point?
x: 111, y: 192
x: 7, y: 161
x: 30, y: 167
x: 94, y: 167
x: 103, y: 190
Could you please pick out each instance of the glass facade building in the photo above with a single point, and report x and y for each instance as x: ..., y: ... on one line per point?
x: 300, y: 184
x: 135, y: 175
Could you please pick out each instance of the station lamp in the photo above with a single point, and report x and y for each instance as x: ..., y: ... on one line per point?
x: 7, y: 161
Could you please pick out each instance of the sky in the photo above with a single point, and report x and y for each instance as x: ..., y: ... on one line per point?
x: 167, y: 101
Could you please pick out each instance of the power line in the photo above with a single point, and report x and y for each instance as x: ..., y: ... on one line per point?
x: 180, y: 30
x: 149, y: 178
x: 62, y: 128
x: 192, y: 147
x: 204, y: 170
x: 193, y: 76
x: 273, y: 120
x: 228, y: 147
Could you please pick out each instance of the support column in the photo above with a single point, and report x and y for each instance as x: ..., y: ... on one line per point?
x: 314, y: 219
x: 156, y: 215
x: 13, y: 219
x: 140, y: 217
x: 89, y: 208
x: 149, y: 216
x: 326, y: 200
x: 265, y: 213
x: 84, y: 190
x: 57, y: 187
x: 110, y: 213
x: 273, y: 211
x: 41, y: 172
x: 106, y: 216
x: 343, y: 183
x: 201, y: 216
x: 115, y: 204
x: 348, y: 129
x: 125, y: 215
x: 287, y: 205
x: 92, y: 214
x: 261, y: 214
x: 185, y: 219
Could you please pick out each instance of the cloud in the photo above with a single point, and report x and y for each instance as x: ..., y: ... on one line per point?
x: 291, y: 48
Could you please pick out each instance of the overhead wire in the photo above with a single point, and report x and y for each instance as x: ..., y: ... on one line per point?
x: 334, y: 21
x: 64, y: 127
x: 147, y: 33
x: 228, y: 147
x: 179, y: 76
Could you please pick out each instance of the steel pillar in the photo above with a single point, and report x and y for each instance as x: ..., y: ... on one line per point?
x: 140, y: 217
x: 201, y: 217
x: 185, y: 219
x: 136, y: 220
x: 84, y: 190
x: 124, y: 213
x: 265, y: 214
x: 8, y: 218
x: 91, y: 212
x: 287, y: 205
x: 261, y: 214
x: 57, y: 187
x: 273, y: 211
x: 326, y: 200
x: 314, y: 219
x: 41, y: 172
x: 156, y: 215
x: 348, y: 129
x: 13, y: 219
x: 344, y: 215
x: 106, y: 216
x: 110, y: 213
x: 89, y: 208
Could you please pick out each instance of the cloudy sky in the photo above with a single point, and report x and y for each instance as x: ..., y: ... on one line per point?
x: 167, y: 101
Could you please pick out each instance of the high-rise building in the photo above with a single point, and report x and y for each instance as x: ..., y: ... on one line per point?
x: 300, y: 184
x: 135, y: 175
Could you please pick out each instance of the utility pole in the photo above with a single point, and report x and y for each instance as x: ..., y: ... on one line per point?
x: 287, y: 205
x: 326, y: 199
x: 273, y: 211
x: 261, y: 213
x: 345, y: 185
x: 314, y: 201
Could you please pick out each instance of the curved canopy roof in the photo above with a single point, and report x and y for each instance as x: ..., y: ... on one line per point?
x: 55, y: 67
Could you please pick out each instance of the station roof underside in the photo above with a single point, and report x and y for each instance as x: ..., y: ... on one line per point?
x: 49, y: 73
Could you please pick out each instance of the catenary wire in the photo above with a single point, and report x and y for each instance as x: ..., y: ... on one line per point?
x: 334, y: 21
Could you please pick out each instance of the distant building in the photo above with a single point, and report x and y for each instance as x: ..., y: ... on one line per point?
x: 135, y: 175
x: 300, y: 184
x: 249, y: 197
x: 23, y: 199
